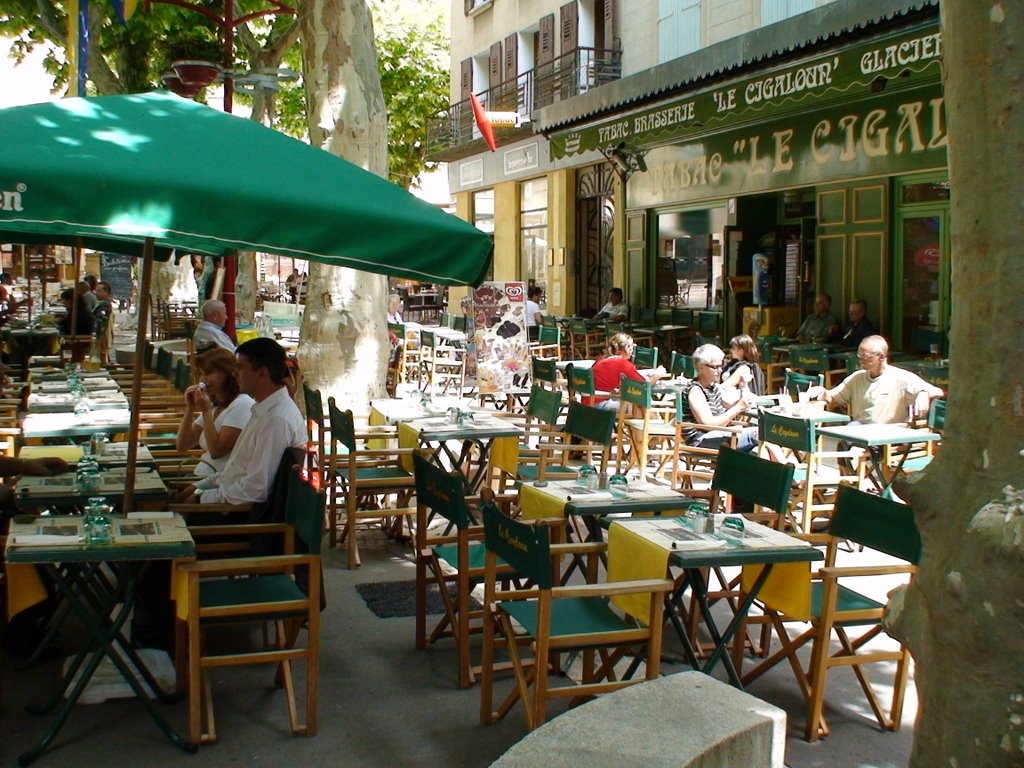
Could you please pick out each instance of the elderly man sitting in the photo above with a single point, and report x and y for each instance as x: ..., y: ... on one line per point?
x: 210, y: 332
x: 879, y: 393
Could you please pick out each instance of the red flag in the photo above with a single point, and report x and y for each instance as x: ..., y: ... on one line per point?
x: 482, y: 122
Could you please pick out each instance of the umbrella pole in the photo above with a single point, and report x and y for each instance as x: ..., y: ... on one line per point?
x: 73, y: 326
x: 140, y: 363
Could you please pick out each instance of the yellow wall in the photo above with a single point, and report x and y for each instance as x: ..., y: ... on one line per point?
x: 506, y: 231
x: 464, y: 210
x: 562, y: 239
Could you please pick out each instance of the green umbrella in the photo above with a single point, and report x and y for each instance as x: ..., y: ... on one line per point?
x: 190, y: 177
x: 178, y: 174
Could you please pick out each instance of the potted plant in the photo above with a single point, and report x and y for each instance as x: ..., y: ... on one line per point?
x: 195, y: 61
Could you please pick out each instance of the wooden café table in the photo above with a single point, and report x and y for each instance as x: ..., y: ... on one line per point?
x: 99, y: 583
x: 874, y: 438
x: 63, y: 490
x: 647, y: 548
x: 111, y: 422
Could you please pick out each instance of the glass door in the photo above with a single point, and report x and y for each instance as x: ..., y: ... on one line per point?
x: 922, y: 299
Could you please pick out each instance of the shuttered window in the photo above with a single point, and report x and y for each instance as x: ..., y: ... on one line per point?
x: 777, y: 10
x: 679, y: 27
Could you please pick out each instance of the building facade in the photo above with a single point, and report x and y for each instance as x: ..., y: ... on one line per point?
x: 720, y: 159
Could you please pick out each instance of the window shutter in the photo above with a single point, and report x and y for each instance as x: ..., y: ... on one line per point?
x: 569, y: 27
x: 609, y: 24
x: 494, y: 69
x: 511, y: 57
x: 466, y: 78
x: 546, y: 48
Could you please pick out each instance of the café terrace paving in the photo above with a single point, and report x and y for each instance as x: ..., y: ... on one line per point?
x: 383, y: 703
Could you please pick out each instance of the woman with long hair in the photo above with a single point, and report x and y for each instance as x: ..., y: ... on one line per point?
x: 215, y: 411
x: 743, y: 368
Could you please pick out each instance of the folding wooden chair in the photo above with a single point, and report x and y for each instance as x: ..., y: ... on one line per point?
x: 834, y: 610
x: 362, y: 479
x: 645, y: 429
x: 283, y: 590
x: 553, y: 620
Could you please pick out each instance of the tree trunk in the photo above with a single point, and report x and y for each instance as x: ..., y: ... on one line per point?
x: 962, y: 618
x: 246, y: 287
x: 174, y: 282
x: 344, y: 348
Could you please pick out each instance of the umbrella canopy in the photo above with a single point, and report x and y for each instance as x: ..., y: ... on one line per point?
x: 194, y: 178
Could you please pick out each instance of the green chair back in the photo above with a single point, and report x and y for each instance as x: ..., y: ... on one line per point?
x: 922, y: 339
x: 794, y: 383
x: 427, y: 339
x: 703, y: 339
x: 647, y: 316
x: 876, y: 522
x: 305, y: 511
x: 759, y: 481
x: 443, y: 493
x: 549, y: 335
x: 526, y: 548
x: 849, y: 361
x: 682, y: 365
x: 814, y: 359
x: 459, y: 323
x: 148, y: 355
x: 398, y: 329
x: 445, y: 321
x: 682, y: 317
x: 638, y: 393
x: 786, y: 431
x: 548, y: 321
x: 580, y: 380
x: 937, y: 414
x: 164, y: 363
x: 645, y: 357
x: 544, y: 405
x: 611, y: 328
x: 709, y: 323
x: 578, y: 326
x: 343, y: 424
x: 182, y: 376
x: 314, y: 404
x: 544, y: 369
x: 594, y: 425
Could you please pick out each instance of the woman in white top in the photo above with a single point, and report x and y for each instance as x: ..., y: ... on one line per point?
x: 222, y: 411
x: 395, y: 309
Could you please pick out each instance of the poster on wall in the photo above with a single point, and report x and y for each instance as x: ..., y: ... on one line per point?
x: 499, y: 335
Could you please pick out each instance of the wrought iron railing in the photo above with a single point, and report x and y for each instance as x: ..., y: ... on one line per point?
x: 568, y: 75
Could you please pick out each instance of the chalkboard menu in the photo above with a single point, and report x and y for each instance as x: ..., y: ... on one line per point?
x: 116, y: 269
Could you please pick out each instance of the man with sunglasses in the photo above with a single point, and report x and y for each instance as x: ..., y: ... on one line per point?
x: 879, y: 393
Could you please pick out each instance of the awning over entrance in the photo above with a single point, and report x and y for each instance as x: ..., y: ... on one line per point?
x: 896, y: 61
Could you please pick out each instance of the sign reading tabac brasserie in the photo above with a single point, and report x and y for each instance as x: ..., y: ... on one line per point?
x: 898, y: 132
x: 835, y: 77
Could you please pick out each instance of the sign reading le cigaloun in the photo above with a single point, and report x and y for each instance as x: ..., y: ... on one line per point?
x: 765, y: 95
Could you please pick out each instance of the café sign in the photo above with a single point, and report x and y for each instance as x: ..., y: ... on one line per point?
x: 892, y: 133
x: 830, y: 78
x: 10, y: 199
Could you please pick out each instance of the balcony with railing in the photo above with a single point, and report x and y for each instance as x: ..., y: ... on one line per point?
x: 453, y: 134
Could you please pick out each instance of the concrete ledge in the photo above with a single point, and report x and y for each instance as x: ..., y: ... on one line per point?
x: 682, y: 720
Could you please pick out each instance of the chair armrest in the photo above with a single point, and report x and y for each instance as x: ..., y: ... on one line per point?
x: 835, y: 572
x: 579, y: 548
x: 243, y: 565
x: 608, y: 588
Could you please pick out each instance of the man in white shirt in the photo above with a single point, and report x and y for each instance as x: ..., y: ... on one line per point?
x: 879, y: 393
x: 615, y: 309
x: 276, y: 425
x: 210, y: 331
x: 533, y: 311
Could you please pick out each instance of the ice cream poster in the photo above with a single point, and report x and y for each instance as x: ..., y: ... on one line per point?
x: 502, y: 347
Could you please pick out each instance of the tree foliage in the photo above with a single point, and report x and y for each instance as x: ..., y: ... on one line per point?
x: 412, y: 51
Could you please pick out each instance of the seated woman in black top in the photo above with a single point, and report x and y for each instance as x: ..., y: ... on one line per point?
x: 743, y: 368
